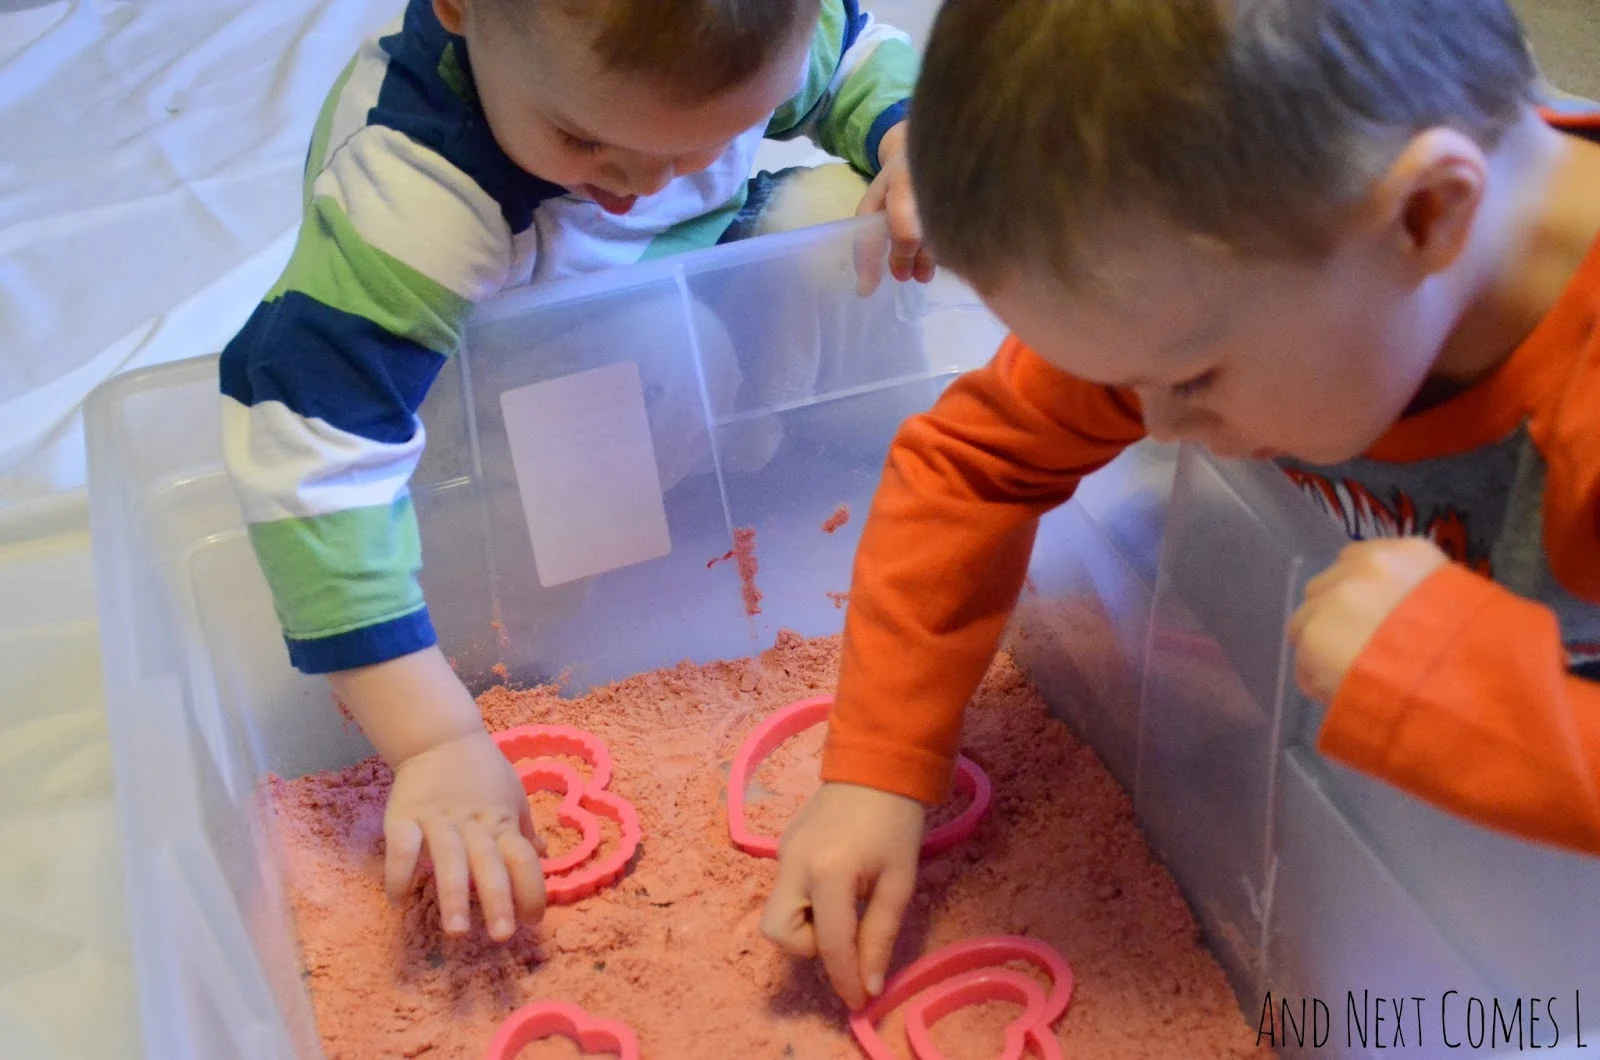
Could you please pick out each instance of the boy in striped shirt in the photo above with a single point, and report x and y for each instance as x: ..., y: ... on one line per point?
x: 475, y: 146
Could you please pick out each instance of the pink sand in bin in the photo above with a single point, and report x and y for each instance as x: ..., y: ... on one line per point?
x: 674, y: 949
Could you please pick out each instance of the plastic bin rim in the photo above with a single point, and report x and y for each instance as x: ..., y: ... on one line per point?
x: 522, y: 299
x: 694, y: 262
x: 119, y: 386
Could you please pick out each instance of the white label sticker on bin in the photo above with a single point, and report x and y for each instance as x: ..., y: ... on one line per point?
x: 586, y: 469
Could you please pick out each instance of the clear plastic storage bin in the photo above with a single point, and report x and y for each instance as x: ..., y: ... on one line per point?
x: 590, y: 453
x: 1310, y: 880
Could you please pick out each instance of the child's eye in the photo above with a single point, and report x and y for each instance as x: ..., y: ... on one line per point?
x: 578, y: 144
x: 1191, y: 387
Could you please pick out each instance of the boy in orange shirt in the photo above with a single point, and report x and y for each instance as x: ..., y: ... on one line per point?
x: 1338, y: 235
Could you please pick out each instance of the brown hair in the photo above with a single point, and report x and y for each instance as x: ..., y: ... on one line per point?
x: 694, y: 49
x: 1257, y: 122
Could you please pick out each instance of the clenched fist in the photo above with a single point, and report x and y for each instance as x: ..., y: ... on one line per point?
x: 1346, y: 604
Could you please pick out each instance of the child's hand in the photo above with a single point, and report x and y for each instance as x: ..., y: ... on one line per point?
x: 892, y: 194
x: 1346, y: 604
x: 452, y: 788
x: 464, y: 798
x: 847, y: 843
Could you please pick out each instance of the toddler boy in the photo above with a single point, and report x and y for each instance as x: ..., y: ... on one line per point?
x: 478, y: 145
x: 1337, y: 234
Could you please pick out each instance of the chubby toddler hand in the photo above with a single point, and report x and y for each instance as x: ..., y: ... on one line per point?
x: 464, y: 799
x: 1345, y: 605
x: 848, y: 843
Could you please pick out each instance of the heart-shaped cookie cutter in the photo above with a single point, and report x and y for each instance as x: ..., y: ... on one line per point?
x: 544, y: 1019
x: 534, y: 750
x: 550, y: 741
x: 978, y: 988
x: 972, y: 973
x: 795, y: 719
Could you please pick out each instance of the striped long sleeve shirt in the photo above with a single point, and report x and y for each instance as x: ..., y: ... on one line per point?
x: 413, y: 214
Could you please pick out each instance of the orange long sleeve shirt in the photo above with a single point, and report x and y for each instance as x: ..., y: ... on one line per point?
x: 1468, y: 696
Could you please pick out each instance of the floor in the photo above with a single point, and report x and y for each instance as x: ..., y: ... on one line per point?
x: 1566, y: 38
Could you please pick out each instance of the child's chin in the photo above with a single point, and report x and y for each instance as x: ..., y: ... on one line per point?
x: 1241, y: 453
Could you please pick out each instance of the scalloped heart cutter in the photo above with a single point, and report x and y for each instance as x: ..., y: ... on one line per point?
x: 972, y: 973
x: 573, y: 876
x: 545, y: 1019
x: 795, y: 719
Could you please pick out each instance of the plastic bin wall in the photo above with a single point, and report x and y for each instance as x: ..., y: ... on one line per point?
x: 630, y: 421
x: 1311, y: 880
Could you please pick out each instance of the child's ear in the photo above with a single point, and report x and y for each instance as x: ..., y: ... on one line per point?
x: 1430, y: 196
x: 452, y: 15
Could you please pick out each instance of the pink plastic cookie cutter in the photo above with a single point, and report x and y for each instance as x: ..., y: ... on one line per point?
x: 973, y: 973
x: 545, y: 1019
x: 534, y: 750
x: 795, y: 719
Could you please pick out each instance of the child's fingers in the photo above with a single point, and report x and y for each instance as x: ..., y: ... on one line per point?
x: 1305, y: 680
x: 905, y: 232
x: 1338, y: 571
x: 1306, y: 674
x: 833, y: 910
x: 1297, y: 624
x: 529, y: 832
x: 1303, y: 616
x: 1322, y: 583
x: 902, y: 258
x: 527, y: 876
x: 925, y: 267
x: 880, y: 924
x: 871, y: 202
x: 869, y: 250
x: 449, y: 856
x: 492, y: 883
x: 402, y: 842
x: 786, y: 920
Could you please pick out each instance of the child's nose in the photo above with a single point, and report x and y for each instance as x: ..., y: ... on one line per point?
x: 1159, y: 420
x: 1168, y: 419
x: 689, y: 164
x: 646, y: 177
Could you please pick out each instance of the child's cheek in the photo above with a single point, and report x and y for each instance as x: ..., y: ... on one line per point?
x: 552, y: 164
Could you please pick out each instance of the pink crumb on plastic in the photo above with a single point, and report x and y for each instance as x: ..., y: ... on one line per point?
x: 498, y: 627
x: 675, y: 950
x: 839, y: 599
x: 744, y: 549
x: 840, y: 516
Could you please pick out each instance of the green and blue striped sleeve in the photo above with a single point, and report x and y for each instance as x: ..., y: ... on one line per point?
x: 411, y: 212
x: 858, y: 85
x: 321, y: 390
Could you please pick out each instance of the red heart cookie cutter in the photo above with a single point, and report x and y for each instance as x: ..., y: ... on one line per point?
x: 795, y: 719
x: 547, y: 741
x: 972, y: 973
x: 544, y: 1019
x: 532, y: 749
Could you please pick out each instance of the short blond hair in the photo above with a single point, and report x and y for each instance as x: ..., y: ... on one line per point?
x: 1259, y: 122
x: 693, y: 49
